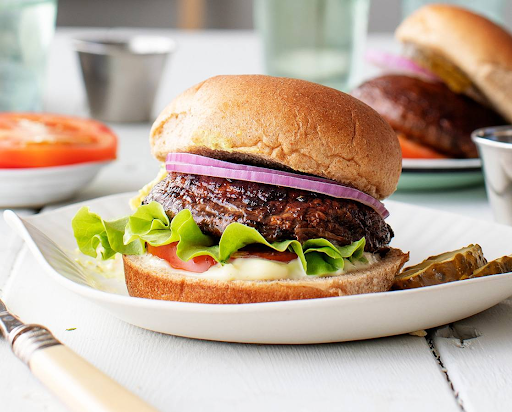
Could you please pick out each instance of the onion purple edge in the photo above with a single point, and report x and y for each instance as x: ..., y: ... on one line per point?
x: 201, y: 165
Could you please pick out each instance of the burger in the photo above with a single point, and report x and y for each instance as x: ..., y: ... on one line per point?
x: 271, y: 191
x: 459, y: 79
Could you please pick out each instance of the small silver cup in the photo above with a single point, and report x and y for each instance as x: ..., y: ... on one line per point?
x: 122, y: 74
x: 495, y: 148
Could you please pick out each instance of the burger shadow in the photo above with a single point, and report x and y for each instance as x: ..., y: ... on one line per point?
x: 413, y: 349
x: 306, y: 376
x: 320, y: 357
x: 303, y: 375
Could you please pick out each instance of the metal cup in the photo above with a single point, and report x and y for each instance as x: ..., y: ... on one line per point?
x: 495, y: 148
x: 122, y: 74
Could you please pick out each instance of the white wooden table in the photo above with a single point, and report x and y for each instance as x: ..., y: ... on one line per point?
x: 443, y: 371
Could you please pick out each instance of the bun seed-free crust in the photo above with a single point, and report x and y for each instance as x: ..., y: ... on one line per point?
x: 166, y: 284
x: 283, y: 123
x: 479, y: 47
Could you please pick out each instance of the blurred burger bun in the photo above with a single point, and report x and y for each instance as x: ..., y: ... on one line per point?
x: 479, y: 47
x: 286, y: 124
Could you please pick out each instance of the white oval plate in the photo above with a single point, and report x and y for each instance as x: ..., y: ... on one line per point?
x: 425, y: 174
x: 441, y: 164
x: 39, y: 186
x: 422, y: 231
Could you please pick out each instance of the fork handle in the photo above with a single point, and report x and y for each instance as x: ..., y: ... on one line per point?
x: 80, y: 385
x: 77, y: 383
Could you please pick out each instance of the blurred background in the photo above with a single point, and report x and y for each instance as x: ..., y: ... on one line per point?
x: 123, y: 61
x: 384, y: 15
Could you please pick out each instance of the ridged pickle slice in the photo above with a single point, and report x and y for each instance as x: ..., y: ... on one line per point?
x: 443, y: 268
x: 501, y: 265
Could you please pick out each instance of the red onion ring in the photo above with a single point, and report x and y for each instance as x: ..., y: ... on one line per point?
x: 190, y: 158
x: 205, y: 166
x: 392, y: 61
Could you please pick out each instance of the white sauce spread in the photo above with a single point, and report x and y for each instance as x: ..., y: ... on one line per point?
x: 255, y: 268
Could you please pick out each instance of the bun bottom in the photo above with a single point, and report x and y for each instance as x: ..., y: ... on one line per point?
x: 165, y: 284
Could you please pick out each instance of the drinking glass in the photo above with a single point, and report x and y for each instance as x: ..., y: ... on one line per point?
x: 26, y: 30
x: 317, y: 40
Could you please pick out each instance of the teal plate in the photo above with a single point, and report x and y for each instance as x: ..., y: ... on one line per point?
x: 429, y: 174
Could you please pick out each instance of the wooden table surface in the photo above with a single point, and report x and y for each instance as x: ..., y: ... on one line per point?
x: 464, y: 366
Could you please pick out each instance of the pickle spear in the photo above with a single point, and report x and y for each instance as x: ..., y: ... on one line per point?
x: 443, y: 268
x: 501, y: 265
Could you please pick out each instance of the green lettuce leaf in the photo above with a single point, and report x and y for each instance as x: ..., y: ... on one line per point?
x: 91, y: 231
x: 150, y: 224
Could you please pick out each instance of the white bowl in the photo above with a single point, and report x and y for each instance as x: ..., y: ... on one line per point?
x: 38, y: 186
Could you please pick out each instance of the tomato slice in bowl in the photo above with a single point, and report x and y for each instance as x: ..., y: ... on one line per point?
x: 44, y: 140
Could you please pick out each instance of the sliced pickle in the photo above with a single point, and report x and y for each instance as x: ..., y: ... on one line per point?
x: 443, y: 268
x: 501, y: 265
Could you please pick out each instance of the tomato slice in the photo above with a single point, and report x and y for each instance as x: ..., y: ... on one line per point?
x: 201, y: 264
x: 45, y: 140
x: 260, y: 251
x: 198, y: 264
x: 413, y: 150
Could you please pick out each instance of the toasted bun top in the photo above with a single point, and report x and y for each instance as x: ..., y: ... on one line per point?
x: 479, y: 47
x: 283, y: 123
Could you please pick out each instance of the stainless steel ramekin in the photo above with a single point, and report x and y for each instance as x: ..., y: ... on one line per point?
x: 495, y: 148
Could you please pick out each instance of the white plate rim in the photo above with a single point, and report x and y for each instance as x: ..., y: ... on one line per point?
x: 441, y: 164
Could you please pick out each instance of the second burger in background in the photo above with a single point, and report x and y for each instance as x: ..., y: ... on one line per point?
x: 469, y: 59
